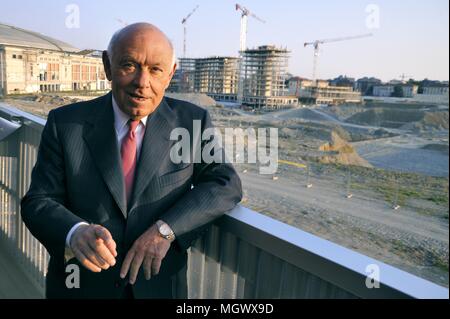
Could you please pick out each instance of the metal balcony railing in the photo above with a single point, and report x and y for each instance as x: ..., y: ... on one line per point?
x: 244, y: 255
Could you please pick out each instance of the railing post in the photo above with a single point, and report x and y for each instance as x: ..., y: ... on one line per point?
x: 17, y: 191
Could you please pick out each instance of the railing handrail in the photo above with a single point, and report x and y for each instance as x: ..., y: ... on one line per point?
x: 336, y: 264
x: 348, y: 263
x: 9, y: 112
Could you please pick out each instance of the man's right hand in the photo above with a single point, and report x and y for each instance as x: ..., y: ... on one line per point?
x: 94, y: 247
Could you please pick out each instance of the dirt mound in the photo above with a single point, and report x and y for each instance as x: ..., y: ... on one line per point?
x: 317, y: 131
x: 196, y: 98
x: 343, y: 112
x: 288, y: 133
x: 437, y: 120
x: 339, y: 151
x: 305, y: 114
x: 49, y: 99
x: 385, y: 117
x: 432, y: 121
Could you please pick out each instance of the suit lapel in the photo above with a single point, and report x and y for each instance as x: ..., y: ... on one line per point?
x: 155, y: 147
x: 101, y: 139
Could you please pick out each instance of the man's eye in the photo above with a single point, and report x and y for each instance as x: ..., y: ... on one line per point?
x: 128, y: 65
x: 156, y: 70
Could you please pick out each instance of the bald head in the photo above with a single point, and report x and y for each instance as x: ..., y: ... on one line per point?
x: 138, y: 30
x: 140, y: 64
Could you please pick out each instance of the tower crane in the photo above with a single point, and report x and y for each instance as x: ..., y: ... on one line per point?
x: 244, y: 14
x: 183, y: 22
x: 243, y: 45
x: 318, y: 43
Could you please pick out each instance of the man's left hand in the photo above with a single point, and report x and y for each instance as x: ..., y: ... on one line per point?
x: 148, y: 250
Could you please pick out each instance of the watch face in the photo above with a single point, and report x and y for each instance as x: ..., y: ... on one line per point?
x: 164, y: 230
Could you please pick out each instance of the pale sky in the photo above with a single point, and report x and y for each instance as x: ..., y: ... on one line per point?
x: 410, y: 37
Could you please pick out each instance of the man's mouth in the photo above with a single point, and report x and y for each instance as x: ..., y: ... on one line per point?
x: 138, y: 97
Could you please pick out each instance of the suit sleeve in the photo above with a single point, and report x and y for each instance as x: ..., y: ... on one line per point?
x: 42, y: 208
x: 217, y: 189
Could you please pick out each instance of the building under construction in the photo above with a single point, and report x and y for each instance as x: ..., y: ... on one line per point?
x: 264, y: 75
x: 214, y: 76
x: 322, y: 92
x: 183, y: 79
x: 217, y: 77
x: 331, y: 95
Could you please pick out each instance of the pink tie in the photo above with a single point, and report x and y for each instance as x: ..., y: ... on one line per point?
x: 128, y: 154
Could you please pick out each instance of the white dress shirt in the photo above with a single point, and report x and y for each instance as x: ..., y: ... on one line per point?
x: 121, y: 128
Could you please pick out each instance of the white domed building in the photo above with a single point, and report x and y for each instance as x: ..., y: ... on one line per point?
x: 32, y: 62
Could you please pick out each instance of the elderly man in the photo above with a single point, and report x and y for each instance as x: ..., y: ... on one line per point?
x: 105, y: 189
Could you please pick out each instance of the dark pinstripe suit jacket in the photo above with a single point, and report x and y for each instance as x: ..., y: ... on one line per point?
x: 77, y: 177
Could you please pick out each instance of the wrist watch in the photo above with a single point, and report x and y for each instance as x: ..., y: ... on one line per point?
x: 165, y: 231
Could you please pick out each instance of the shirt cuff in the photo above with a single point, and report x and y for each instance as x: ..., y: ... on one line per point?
x: 71, y: 231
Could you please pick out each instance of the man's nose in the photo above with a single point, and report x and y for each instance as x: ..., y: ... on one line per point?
x: 142, y: 78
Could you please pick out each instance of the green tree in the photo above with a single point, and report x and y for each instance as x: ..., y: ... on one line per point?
x: 398, y: 91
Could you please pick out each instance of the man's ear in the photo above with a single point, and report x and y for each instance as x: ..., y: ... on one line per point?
x: 107, y: 65
x: 173, y: 70
x: 171, y: 74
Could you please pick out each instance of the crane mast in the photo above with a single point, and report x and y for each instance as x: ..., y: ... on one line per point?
x: 183, y: 22
x: 318, y: 43
x: 243, y: 45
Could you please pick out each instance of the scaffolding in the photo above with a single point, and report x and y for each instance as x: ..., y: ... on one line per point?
x: 264, y: 75
x: 183, y: 79
x: 216, y: 76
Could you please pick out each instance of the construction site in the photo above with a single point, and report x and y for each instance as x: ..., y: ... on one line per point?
x: 370, y: 176
x: 258, y: 77
x: 263, y: 77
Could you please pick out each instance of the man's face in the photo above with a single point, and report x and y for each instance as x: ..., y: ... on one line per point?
x: 140, y: 71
